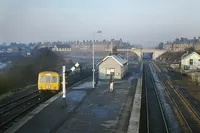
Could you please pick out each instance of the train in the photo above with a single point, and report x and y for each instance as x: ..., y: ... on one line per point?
x: 50, y: 81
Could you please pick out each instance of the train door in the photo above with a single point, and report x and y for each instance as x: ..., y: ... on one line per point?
x: 41, y: 82
x: 48, y: 82
x: 55, y: 82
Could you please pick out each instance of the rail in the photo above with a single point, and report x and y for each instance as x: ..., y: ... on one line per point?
x: 188, y: 113
x: 180, y: 116
x: 15, y: 100
x: 147, y: 107
x: 29, y: 102
x: 165, y: 126
x: 161, y: 109
x: 9, y: 115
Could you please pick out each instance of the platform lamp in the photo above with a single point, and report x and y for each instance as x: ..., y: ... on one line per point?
x: 93, y: 69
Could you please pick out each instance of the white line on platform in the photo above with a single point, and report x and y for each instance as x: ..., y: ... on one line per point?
x: 30, y: 115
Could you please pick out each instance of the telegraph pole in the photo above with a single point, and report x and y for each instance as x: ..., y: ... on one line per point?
x: 127, y: 52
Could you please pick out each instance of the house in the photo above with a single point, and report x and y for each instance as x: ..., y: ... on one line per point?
x: 190, y: 61
x: 113, y: 64
x: 9, y: 50
x: 61, y: 48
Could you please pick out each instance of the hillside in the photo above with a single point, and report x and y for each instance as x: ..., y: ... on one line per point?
x: 24, y: 72
x: 171, y: 56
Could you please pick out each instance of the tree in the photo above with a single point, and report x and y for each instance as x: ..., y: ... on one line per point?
x: 114, y: 49
x: 70, y: 62
x: 190, y: 49
x: 161, y: 45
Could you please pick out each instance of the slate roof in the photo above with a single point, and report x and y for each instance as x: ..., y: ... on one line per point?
x: 63, y: 46
x: 118, y: 58
x: 188, y: 54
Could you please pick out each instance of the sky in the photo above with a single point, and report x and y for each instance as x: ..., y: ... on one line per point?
x: 145, y: 22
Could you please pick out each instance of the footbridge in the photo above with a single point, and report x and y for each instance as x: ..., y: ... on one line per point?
x: 140, y: 52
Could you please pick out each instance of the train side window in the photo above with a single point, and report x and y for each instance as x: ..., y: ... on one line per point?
x: 48, y: 79
x: 54, y: 79
x: 42, y: 79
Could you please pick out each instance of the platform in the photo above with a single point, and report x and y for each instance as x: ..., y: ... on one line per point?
x: 88, y: 110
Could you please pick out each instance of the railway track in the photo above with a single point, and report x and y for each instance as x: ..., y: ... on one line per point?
x: 177, y: 88
x: 189, y: 117
x: 13, y: 102
x: 170, y: 112
x: 12, y: 111
x: 147, y: 107
x: 156, y: 121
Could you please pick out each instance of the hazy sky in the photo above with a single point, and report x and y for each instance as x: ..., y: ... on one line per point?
x: 144, y: 22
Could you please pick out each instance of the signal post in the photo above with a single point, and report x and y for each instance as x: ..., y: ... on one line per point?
x: 64, y: 87
x: 64, y: 82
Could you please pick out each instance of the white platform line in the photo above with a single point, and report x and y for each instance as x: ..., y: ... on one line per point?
x: 31, y: 114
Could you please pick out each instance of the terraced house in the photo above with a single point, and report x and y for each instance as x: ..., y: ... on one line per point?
x: 61, y: 48
x: 177, y: 47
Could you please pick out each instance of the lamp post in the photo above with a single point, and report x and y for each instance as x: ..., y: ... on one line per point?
x: 141, y: 55
x: 127, y: 52
x: 93, y: 69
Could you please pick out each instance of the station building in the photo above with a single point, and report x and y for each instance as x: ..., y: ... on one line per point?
x: 114, y: 64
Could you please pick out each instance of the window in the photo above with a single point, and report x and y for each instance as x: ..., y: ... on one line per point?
x: 110, y: 71
x: 48, y: 79
x: 42, y: 79
x: 54, y: 79
x: 191, y: 61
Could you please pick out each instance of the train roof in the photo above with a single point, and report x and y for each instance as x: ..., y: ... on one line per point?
x: 48, y: 72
